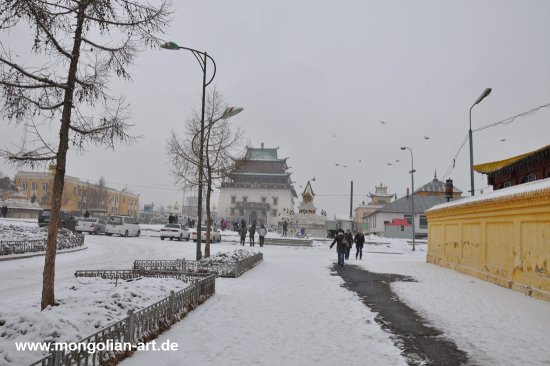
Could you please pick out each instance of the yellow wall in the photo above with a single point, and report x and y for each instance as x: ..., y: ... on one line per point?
x: 74, y: 191
x: 504, y: 240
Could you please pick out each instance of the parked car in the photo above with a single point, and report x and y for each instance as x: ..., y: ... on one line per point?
x: 123, y: 226
x: 90, y: 225
x: 66, y: 220
x: 215, y: 235
x: 174, y: 231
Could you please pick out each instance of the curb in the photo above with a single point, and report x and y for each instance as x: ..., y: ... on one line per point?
x: 23, y: 256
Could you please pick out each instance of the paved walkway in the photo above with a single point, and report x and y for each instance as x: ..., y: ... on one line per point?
x: 288, y: 310
x: 422, y: 344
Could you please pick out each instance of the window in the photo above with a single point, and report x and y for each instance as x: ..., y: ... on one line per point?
x: 275, y: 199
x: 423, y: 222
x: 34, y: 186
x: 506, y: 184
x: 24, y: 185
x: 264, y: 199
x: 245, y: 198
x: 529, y: 178
x: 402, y: 228
x: 233, y: 199
x: 274, y: 213
x: 409, y: 218
x: 44, y: 186
x: 232, y: 211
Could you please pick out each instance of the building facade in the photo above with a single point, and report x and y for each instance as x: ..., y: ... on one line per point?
x: 78, y: 196
x: 516, y: 170
x: 378, y: 199
x: 261, y: 190
x: 425, y: 197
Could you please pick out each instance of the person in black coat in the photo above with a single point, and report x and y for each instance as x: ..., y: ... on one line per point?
x: 349, y: 239
x: 359, y: 241
x: 340, y: 247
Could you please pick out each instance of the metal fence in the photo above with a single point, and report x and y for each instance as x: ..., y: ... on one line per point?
x: 224, y: 269
x: 138, y: 327
x: 176, y: 265
x: 29, y: 246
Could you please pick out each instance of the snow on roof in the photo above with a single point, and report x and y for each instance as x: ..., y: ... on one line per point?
x: 514, y: 191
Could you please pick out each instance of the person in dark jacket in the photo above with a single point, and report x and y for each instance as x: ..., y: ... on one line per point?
x: 243, y: 231
x: 340, y: 248
x: 359, y: 241
x: 252, y: 232
x: 349, y: 238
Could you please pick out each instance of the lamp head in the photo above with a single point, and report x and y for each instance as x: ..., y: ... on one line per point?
x: 403, y: 147
x: 482, y: 96
x: 170, y: 46
x: 231, y: 111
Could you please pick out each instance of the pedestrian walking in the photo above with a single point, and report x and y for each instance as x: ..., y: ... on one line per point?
x: 242, y: 232
x: 340, y: 241
x: 349, y: 238
x: 262, y: 232
x: 170, y: 219
x: 285, y: 227
x: 359, y: 241
x: 252, y: 232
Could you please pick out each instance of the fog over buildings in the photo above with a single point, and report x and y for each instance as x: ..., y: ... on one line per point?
x: 339, y: 88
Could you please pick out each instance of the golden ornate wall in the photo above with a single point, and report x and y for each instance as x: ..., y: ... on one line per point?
x: 503, y: 238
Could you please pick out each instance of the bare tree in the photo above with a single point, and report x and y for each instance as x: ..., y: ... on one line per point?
x: 224, y: 150
x: 78, y: 45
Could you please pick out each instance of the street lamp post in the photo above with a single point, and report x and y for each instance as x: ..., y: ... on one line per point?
x: 202, y: 58
x: 481, y: 97
x: 412, y: 195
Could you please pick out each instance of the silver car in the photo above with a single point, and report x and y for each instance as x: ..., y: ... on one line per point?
x: 174, y: 231
x: 90, y: 225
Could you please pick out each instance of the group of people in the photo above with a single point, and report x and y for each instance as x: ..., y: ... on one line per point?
x: 251, y: 231
x: 344, y: 241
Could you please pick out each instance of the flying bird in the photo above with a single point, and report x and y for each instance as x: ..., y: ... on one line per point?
x: 345, y: 166
x: 333, y: 134
x: 397, y: 161
x: 337, y: 164
x: 388, y: 163
x: 502, y: 140
x: 426, y: 137
x: 359, y: 160
x: 382, y: 122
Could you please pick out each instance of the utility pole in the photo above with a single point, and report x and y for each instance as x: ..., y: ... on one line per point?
x: 351, y: 201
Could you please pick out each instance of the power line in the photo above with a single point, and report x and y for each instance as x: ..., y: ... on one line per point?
x: 505, y: 121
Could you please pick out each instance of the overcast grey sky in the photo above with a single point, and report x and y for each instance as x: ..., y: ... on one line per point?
x: 316, y: 77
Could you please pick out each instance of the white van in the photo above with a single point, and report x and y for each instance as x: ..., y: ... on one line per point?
x: 123, y: 226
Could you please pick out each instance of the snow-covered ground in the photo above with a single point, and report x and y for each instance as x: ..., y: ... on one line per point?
x: 292, y: 310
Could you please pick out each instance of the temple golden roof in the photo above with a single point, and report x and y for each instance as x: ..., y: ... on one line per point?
x: 487, y: 168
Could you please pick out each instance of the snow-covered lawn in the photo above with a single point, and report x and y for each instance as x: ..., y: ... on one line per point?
x: 292, y: 310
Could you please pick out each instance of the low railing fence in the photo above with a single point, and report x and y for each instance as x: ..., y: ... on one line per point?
x: 8, y: 247
x: 224, y: 269
x: 138, y: 327
x: 175, y: 265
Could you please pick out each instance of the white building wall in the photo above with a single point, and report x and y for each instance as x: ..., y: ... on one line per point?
x: 376, y: 222
x: 285, y: 202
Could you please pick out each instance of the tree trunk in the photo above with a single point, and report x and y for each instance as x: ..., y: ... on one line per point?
x: 208, y: 213
x: 48, y: 276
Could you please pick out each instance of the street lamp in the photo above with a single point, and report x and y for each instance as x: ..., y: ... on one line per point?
x: 412, y: 187
x: 202, y: 58
x: 481, y: 97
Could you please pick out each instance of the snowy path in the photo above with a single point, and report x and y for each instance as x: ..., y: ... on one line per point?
x: 288, y: 310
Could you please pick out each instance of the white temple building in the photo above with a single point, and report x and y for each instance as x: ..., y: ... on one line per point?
x: 260, y: 191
